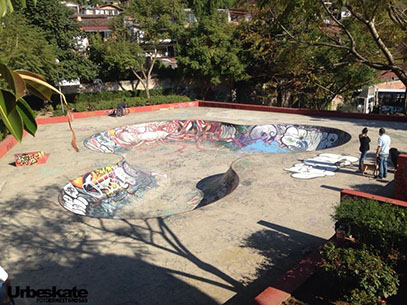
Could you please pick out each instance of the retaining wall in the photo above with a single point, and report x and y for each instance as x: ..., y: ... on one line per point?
x: 400, y: 177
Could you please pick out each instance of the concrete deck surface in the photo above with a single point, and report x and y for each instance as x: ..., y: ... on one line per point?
x: 227, y: 251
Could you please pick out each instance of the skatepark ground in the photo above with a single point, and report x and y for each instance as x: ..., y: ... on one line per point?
x: 225, y: 252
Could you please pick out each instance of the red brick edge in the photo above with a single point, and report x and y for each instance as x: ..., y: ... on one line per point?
x: 363, y: 116
x: 400, y: 178
x: 352, y: 193
x: 291, y: 280
x: 7, y: 144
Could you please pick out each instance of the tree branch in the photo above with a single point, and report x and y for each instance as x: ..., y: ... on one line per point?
x: 360, y: 58
x: 398, y: 16
x: 139, y: 78
x: 352, y: 41
x: 375, y: 34
x: 154, y: 58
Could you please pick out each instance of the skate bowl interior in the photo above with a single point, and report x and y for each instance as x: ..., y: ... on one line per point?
x: 170, y: 167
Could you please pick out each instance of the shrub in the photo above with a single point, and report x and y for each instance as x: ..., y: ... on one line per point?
x: 382, y: 225
x: 87, y: 103
x: 94, y: 97
x: 361, y: 276
x: 110, y: 100
x: 153, y: 92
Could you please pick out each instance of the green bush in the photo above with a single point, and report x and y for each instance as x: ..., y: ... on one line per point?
x: 359, y: 275
x: 154, y: 92
x: 94, y: 101
x: 382, y: 225
x: 93, y: 97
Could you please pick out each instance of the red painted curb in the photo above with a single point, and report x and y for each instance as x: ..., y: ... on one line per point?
x: 7, y: 144
x: 271, y: 296
x: 352, y: 193
x: 400, y: 178
x: 52, y: 120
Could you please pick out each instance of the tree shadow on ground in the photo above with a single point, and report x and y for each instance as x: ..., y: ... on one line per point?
x: 44, y: 245
x: 282, y: 248
x: 110, y: 279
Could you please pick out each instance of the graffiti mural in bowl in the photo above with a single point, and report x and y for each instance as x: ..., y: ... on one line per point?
x: 124, y: 190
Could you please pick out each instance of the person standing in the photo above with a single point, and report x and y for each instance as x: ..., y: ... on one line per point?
x: 364, y: 146
x: 382, y: 152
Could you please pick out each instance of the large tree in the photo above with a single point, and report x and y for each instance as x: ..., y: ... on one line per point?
x: 117, y: 58
x: 15, y: 112
x: 371, y: 32
x: 209, y: 52
x: 24, y: 47
x: 146, y: 25
x: 295, y: 74
x: 61, y: 30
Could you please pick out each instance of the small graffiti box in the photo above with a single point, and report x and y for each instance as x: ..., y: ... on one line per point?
x: 30, y: 158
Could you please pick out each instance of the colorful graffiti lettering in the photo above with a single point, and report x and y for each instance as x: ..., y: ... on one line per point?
x: 31, y: 158
x: 275, y: 138
x: 103, y: 191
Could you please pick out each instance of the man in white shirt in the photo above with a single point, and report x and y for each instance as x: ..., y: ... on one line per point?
x: 382, y: 152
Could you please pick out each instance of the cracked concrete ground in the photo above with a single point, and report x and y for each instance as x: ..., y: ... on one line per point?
x: 227, y: 251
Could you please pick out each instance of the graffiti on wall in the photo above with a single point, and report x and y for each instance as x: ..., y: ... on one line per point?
x: 31, y: 158
x: 320, y: 166
x: 100, y: 193
x: 273, y: 138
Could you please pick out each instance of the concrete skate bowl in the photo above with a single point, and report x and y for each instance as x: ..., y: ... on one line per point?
x: 163, y: 169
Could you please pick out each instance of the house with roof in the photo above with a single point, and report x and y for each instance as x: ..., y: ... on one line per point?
x: 96, y: 20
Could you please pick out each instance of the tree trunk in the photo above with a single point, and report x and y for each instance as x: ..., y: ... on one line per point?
x: 151, y: 63
x: 147, y: 87
x: 143, y: 82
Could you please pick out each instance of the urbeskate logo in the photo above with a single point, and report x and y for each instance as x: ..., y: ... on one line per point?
x: 52, y: 295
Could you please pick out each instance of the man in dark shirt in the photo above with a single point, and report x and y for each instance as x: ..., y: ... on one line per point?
x: 364, y: 146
